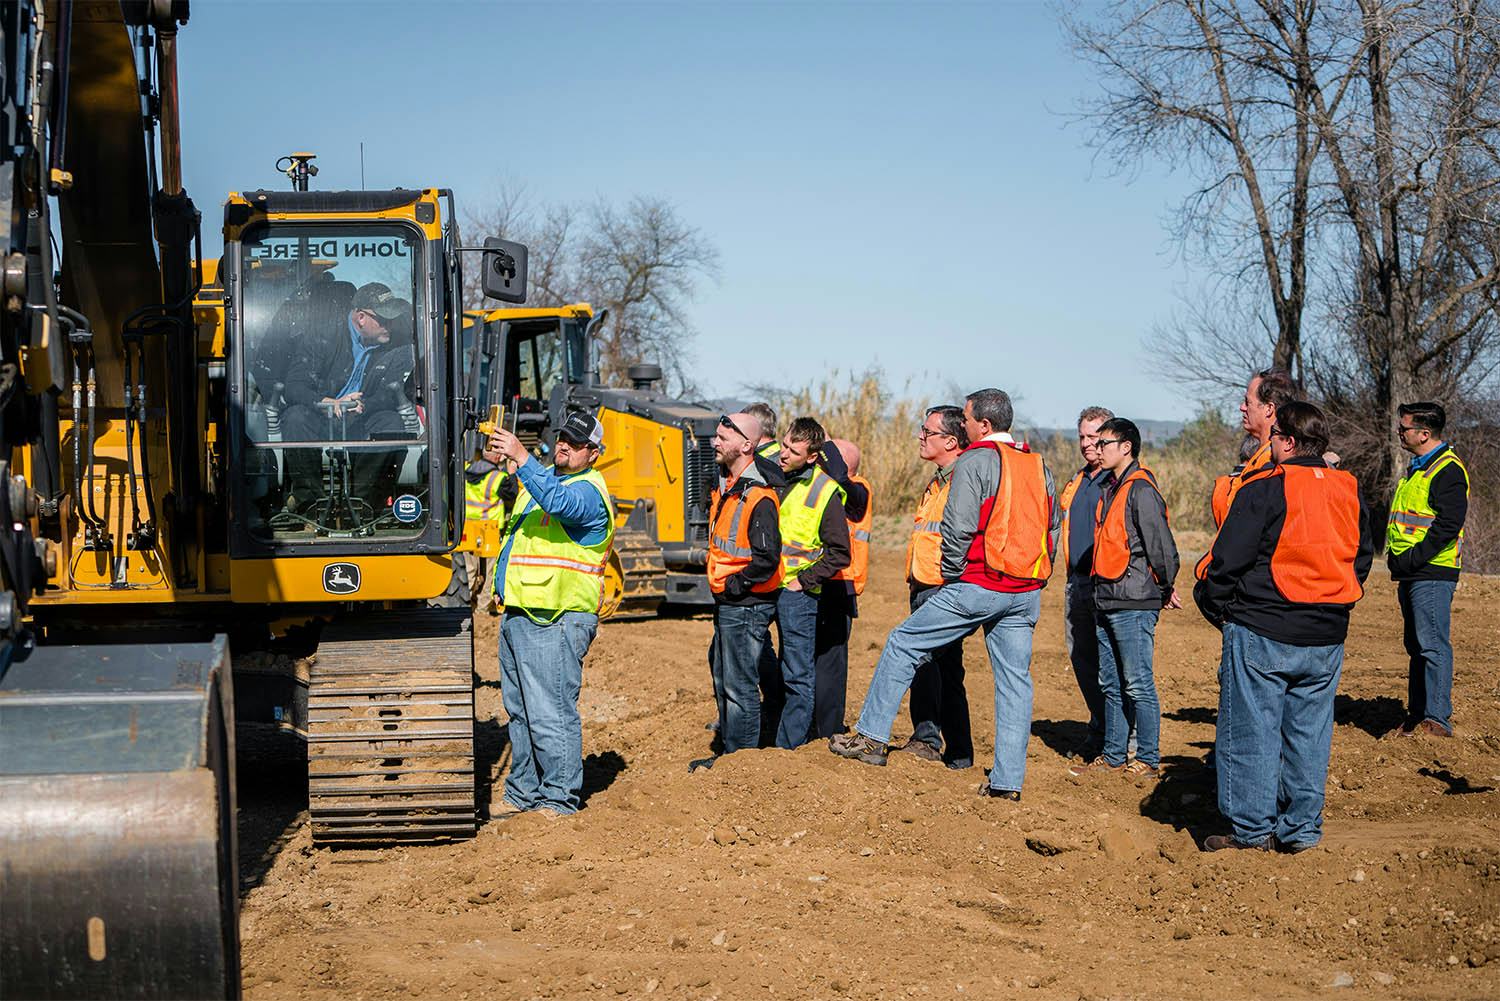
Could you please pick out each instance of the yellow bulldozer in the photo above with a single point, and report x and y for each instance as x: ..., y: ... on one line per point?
x: 208, y: 467
x: 537, y: 365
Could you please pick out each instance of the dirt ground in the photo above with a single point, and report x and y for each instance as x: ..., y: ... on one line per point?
x: 803, y: 875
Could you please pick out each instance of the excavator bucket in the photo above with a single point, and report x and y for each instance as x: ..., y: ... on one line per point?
x: 117, y: 823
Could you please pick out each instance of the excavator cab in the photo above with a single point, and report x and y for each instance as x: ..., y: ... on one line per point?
x: 341, y: 310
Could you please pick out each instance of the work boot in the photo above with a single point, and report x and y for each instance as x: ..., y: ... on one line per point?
x: 859, y: 747
x: 1432, y: 728
x: 990, y: 792
x: 921, y: 749
x: 1220, y: 842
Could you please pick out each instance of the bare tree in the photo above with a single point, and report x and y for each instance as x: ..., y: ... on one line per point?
x: 1348, y: 170
x: 642, y: 262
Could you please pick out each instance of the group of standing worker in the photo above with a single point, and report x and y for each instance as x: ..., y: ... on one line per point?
x: 789, y: 538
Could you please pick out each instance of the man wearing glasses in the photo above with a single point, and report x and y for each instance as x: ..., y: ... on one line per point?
x: 1079, y: 497
x: 1424, y: 539
x: 939, y: 704
x: 1284, y: 572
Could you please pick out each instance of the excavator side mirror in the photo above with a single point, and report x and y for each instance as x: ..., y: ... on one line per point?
x: 504, y: 274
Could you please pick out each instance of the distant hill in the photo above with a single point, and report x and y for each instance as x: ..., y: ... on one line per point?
x: 1152, y: 432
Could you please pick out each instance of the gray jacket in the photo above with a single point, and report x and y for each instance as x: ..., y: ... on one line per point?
x: 976, y: 479
x: 1147, y: 582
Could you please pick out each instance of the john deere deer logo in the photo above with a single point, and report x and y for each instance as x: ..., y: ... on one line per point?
x: 341, y: 578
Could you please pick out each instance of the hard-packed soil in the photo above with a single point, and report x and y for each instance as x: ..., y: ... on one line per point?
x: 803, y: 875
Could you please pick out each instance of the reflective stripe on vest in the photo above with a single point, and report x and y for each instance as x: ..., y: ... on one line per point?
x: 924, y: 550
x: 801, y: 521
x: 1018, y: 535
x: 858, y: 570
x: 1111, y: 535
x: 1065, y: 501
x: 1314, y: 559
x: 729, y: 549
x: 1412, y: 513
x: 1256, y: 466
x: 545, y: 570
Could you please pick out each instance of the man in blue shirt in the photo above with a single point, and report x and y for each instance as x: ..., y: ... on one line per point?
x: 1078, y: 500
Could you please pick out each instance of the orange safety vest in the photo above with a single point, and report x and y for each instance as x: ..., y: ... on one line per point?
x: 1065, y: 501
x: 1314, y: 559
x: 1255, y: 467
x: 924, y: 550
x: 858, y: 570
x: 1018, y: 535
x: 729, y: 541
x: 1111, y: 539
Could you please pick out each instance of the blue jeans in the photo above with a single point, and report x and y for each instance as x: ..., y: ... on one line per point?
x: 1426, y: 610
x: 541, y: 672
x: 1083, y: 649
x: 952, y: 613
x: 797, y: 620
x: 741, y: 632
x: 1127, y: 644
x: 1275, y: 729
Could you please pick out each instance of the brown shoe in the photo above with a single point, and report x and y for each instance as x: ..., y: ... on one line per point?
x: 1219, y: 842
x: 921, y: 749
x: 1097, y: 765
x: 859, y: 747
x: 1432, y: 728
x: 1138, y: 769
x: 1406, y: 729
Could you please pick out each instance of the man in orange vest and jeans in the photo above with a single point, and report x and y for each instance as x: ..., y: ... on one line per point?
x: 998, y: 531
x: 939, y: 704
x: 1134, y: 564
x: 1284, y: 572
x: 744, y: 574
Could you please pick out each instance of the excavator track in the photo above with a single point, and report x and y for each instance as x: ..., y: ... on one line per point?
x: 642, y: 586
x: 390, y: 728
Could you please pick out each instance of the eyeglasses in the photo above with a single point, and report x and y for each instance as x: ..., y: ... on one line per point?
x: 725, y: 422
x: 924, y: 433
x: 1403, y: 428
x: 1101, y: 442
x: 1276, y: 432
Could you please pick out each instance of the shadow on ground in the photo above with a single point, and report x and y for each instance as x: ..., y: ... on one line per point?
x: 1065, y: 737
x: 1185, y: 797
x: 1377, y: 716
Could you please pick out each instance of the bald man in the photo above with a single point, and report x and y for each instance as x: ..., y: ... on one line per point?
x: 744, y: 574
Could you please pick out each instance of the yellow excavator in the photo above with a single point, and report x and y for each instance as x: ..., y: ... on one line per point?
x: 230, y: 490
x: 538, y: 364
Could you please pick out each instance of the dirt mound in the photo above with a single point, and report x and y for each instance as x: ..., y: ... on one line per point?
x: 799, y: 874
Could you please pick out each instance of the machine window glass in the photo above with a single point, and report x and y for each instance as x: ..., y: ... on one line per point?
x: 334, y: 416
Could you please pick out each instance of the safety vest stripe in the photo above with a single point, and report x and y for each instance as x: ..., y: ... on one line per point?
x: 929, y: 526
x: 820, y: 485
x: 1411, y: 518
x: 862, y: 534
x: 729, y: 549
x: 559, y: 562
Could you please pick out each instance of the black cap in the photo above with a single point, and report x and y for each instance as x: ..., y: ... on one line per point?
x: 581, y: 428
x: 377, y: 298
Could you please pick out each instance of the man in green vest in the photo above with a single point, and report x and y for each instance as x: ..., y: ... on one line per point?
x: 556, y: 545
x: 489, y: 493
x: 1424, y: 538
x: 814, y: 547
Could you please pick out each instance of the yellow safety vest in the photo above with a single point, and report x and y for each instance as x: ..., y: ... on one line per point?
x: 482, y: 496
x: 1412, y: 514
x: 801, y: 521
x: 547, y: 572
x: 769, y: 450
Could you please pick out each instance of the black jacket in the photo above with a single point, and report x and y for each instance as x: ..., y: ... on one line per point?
x: 1238, y: 586
x: 765, y: 545
x: 321, y: 365
x: 1449, y: 496
x: 1147, y: 582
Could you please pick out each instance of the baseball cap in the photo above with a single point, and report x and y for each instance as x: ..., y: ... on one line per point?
x: 581, y: 428
x: 377, y: 298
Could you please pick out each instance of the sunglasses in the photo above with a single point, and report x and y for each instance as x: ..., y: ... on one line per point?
x: 725, y: 422
x: 1101, y: 442
x: 1276, y: 432
x: 1403, y: 428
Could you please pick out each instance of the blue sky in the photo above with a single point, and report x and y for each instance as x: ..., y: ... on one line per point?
x: 887, y: 184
